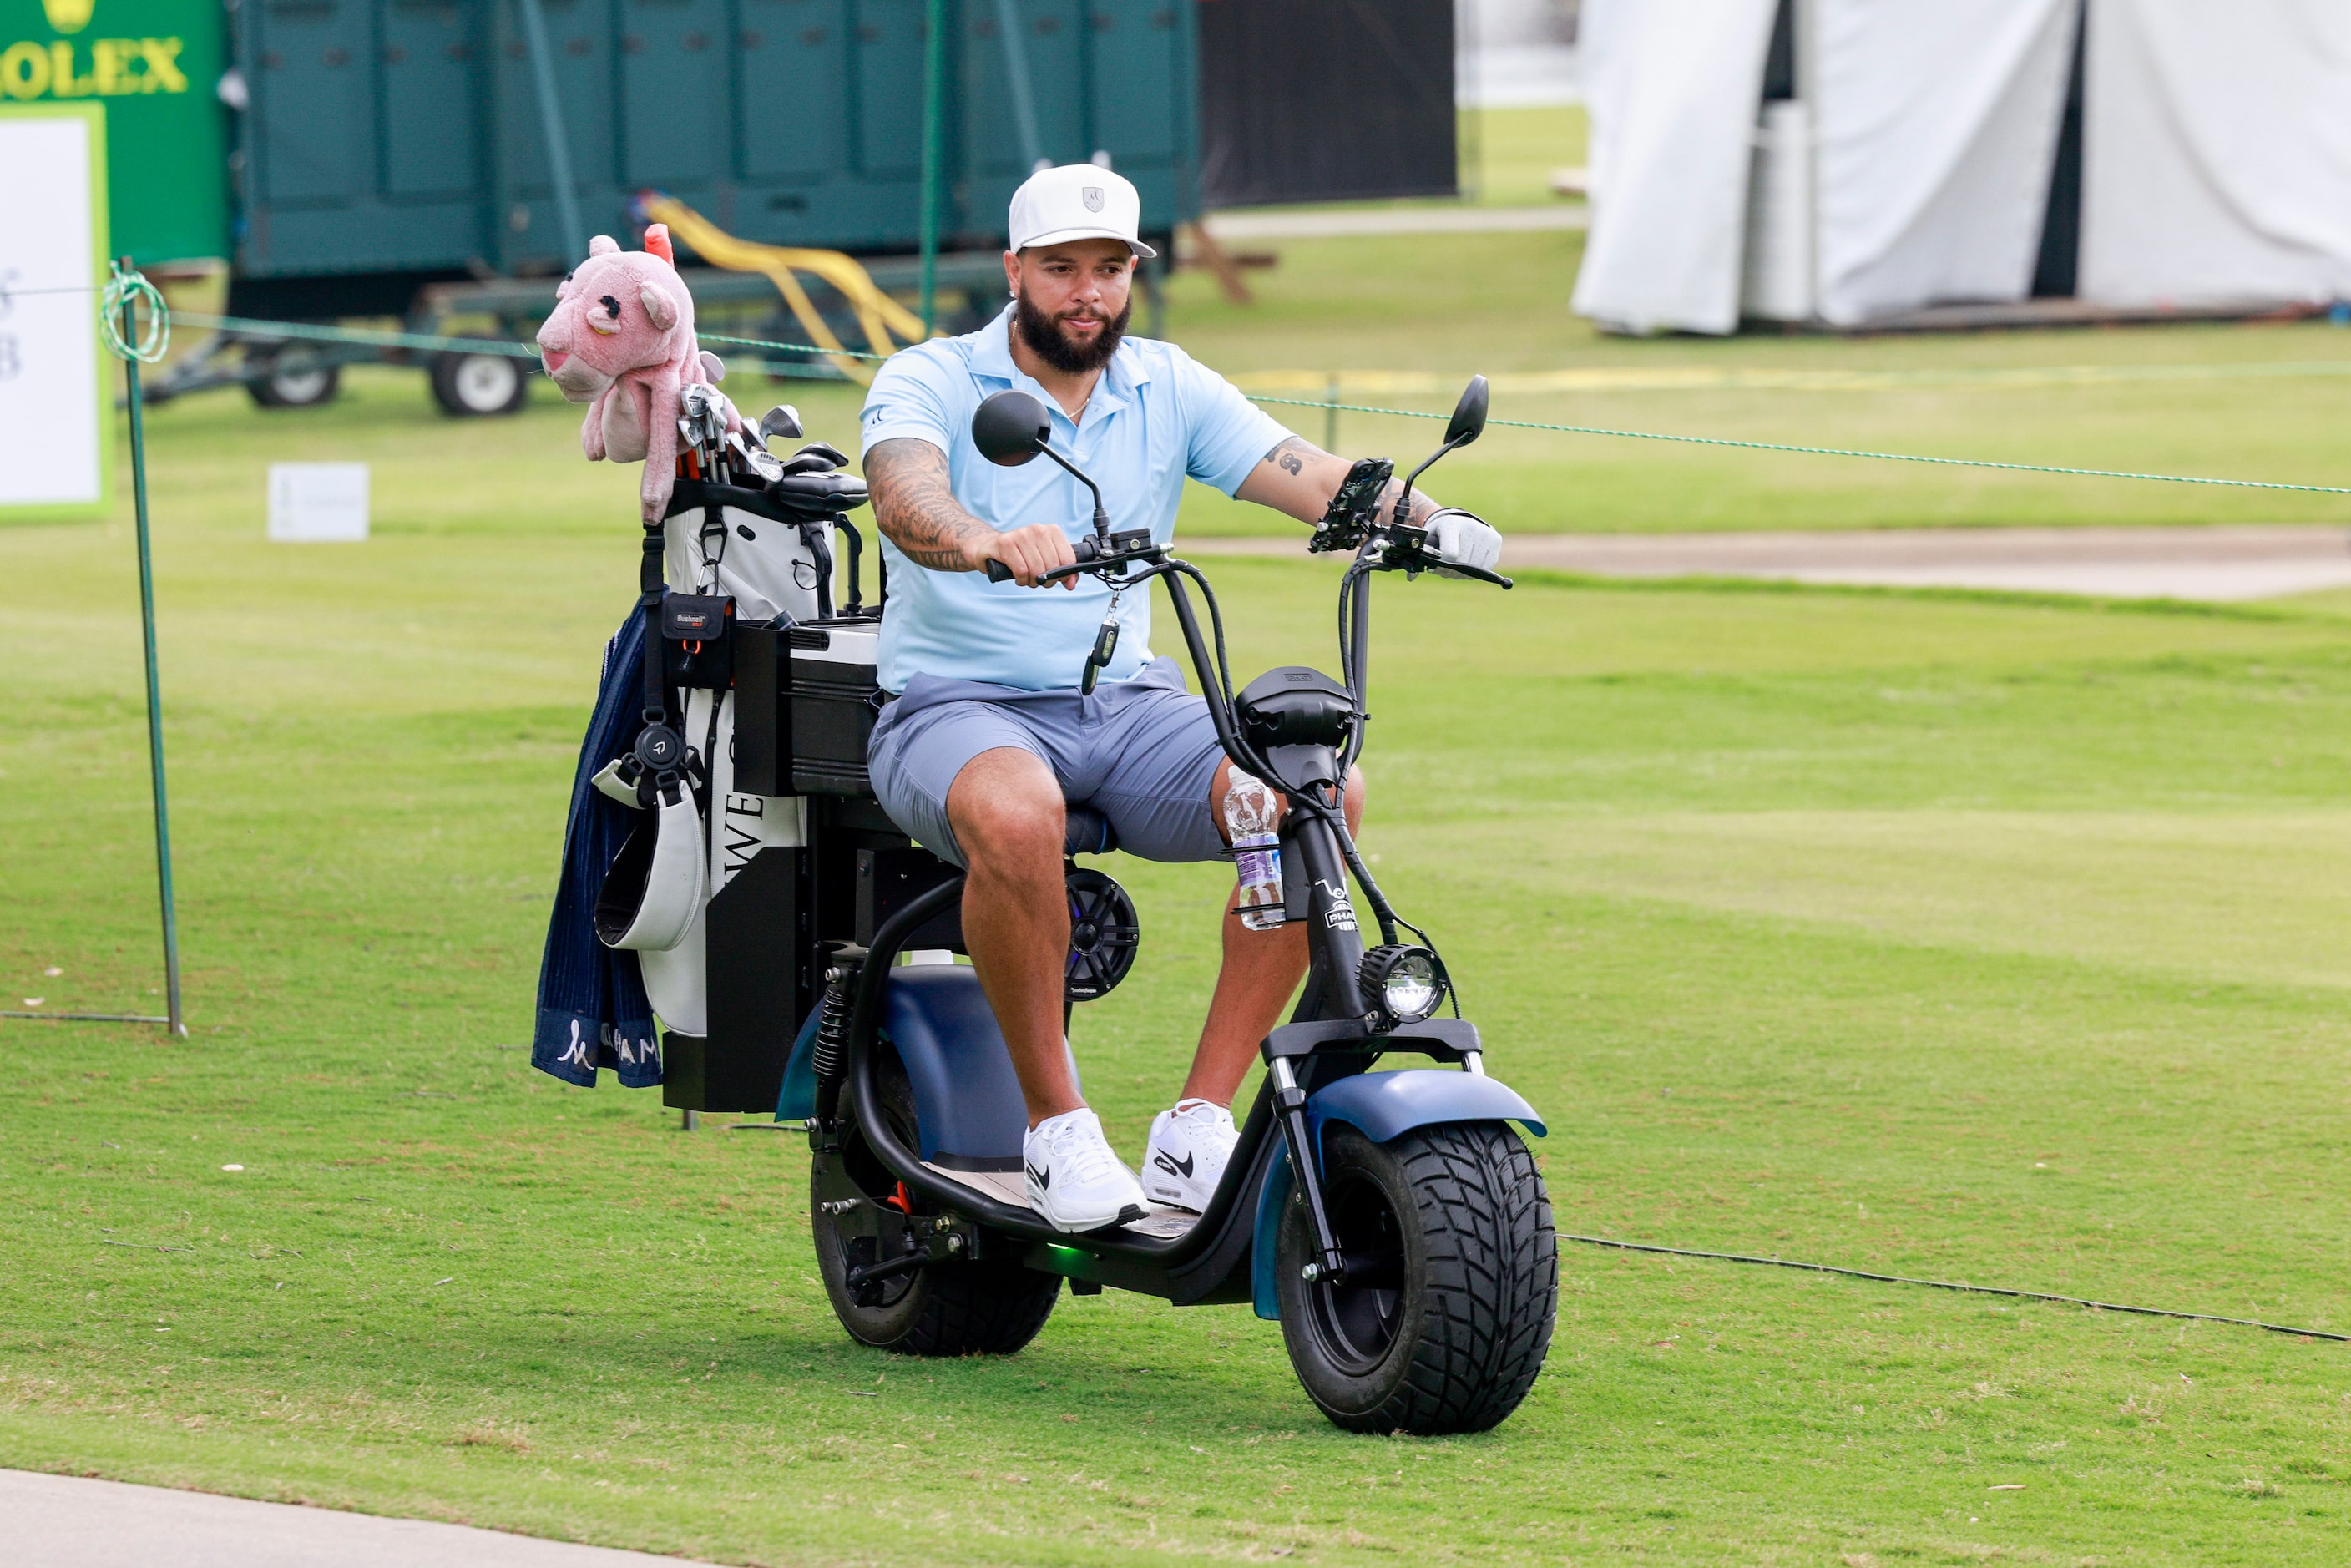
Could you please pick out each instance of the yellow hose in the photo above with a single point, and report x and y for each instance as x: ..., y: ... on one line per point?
x: 877, y: 313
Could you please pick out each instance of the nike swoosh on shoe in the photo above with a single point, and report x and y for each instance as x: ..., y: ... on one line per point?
x: 1043, y: 1178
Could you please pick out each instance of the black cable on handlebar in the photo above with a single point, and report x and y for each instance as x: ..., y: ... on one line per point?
x: 1217, y: 623
x: 1238, y: 748
x: 1354, y: 645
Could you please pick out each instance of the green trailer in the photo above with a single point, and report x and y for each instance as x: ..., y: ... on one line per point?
x: 387, y: 142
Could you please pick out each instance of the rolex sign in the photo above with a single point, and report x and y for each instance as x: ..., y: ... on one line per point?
x: 155, y: 66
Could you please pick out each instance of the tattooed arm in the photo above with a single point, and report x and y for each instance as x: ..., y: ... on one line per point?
x: 1299, y: 478
x: 915, y: 506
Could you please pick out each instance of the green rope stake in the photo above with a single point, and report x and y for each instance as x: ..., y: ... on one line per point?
x: 125, y: 293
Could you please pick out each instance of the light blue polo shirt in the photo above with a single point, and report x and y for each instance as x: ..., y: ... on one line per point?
x: 1157, y: 417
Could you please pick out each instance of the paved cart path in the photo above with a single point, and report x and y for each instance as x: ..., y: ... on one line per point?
x: 66, y: 1522
x: 2213, y: 564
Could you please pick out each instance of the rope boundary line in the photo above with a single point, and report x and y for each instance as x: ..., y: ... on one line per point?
x: 1817, y: 451
x: 525, y: 350
x: 1949, y: 1285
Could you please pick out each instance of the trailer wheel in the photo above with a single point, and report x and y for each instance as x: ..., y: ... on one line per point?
x: 985, y: 1307
x: 1444, y: 1315
x: 292, y: 379
x: 475, y: 386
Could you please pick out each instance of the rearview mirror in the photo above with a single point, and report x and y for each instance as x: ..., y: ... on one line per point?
x: 1011, y: 428
x: 1469, y: 414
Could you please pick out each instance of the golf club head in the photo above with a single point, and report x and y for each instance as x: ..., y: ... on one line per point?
x: 759, y: 460
x: 782, y: 420
x: 1011, y: 428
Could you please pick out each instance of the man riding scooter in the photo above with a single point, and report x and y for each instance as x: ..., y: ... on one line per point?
x: 991, y: 734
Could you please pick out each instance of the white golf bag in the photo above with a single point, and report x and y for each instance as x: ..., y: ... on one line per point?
x: 773, y: 570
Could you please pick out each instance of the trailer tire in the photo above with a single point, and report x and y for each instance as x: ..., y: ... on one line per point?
x: 1446, y: 1324
x: 987, y: 1306
x: 292, y: 380
x: 477, y: 386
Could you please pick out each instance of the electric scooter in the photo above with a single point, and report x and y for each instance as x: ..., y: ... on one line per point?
x: 1393, y: 1220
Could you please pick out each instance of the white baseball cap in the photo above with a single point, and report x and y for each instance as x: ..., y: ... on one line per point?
x: 1077, y: 201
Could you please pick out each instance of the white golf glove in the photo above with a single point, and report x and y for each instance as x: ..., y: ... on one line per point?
x: 1456, y: 538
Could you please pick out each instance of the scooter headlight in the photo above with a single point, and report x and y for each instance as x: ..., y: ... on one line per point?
x: 1403, y: 984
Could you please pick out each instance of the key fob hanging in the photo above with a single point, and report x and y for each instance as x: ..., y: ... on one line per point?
x: 1106, y: 645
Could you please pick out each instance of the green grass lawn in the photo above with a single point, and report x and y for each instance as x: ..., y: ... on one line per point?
x: 2232, y: 401
x: 1508, y: 155
x: 1977, y: 937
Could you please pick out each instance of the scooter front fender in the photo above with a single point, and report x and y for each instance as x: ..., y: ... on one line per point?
x: 1380, y: 1105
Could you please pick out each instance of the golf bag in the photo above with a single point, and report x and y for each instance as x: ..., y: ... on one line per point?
x: 727, y: 568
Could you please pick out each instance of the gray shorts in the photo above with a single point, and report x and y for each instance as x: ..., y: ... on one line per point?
x: 1142, y: 752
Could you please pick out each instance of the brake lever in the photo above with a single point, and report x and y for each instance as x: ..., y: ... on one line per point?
x: 1406, y: 550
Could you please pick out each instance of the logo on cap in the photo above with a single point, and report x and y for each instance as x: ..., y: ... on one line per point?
x: 1094, y: 198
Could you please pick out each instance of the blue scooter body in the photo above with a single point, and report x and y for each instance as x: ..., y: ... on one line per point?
x: 967, y: 1096
x: 973, y: 1117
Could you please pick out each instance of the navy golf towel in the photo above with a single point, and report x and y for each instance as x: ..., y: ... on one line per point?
x: 593, y: 1010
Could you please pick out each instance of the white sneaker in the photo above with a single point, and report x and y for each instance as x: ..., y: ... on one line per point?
x: 1075, y: 1181
x: 1186, y: 1157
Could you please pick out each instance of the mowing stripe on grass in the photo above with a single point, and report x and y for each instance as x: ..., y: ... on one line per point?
x: 1949, y: 1285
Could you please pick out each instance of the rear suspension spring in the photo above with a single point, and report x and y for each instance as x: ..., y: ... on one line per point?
x: 829, y: 1056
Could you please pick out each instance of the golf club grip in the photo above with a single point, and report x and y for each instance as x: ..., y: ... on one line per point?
x: 998, y: 572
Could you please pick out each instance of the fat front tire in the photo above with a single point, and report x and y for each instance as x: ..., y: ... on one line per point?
x: 984, y: 1307
x: 1444, y: 1316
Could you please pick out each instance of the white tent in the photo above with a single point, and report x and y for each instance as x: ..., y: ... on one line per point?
x: 1900, y: 153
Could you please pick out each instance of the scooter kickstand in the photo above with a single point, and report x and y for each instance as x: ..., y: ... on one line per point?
x: 1289, y: 1103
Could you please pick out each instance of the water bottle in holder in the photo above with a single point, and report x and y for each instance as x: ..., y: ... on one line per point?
x: 1257, y: 851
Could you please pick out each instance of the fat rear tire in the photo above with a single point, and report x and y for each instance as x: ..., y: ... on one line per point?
x: 986, y: 1307
x: 1445, y: 1323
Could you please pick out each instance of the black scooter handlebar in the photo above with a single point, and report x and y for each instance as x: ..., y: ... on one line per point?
x: 1087, y: 551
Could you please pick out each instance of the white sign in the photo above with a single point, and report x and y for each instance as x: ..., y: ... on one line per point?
x: 317, y: 503
x: 54, y: 401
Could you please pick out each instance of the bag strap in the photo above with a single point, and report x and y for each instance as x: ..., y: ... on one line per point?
x: 649, y: 599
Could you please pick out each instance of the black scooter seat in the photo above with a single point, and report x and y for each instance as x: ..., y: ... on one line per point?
x: 1087, y: 833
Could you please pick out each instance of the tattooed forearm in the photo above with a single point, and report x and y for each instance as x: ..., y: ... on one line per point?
x: 914, y: 505
x: 1299, y: 478
x: 1290, y: 455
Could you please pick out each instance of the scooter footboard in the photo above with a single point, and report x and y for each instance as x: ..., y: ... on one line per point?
x: 1382, y: 1106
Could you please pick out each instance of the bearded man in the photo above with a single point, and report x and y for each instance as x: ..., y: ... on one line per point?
x: 987, y: 738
